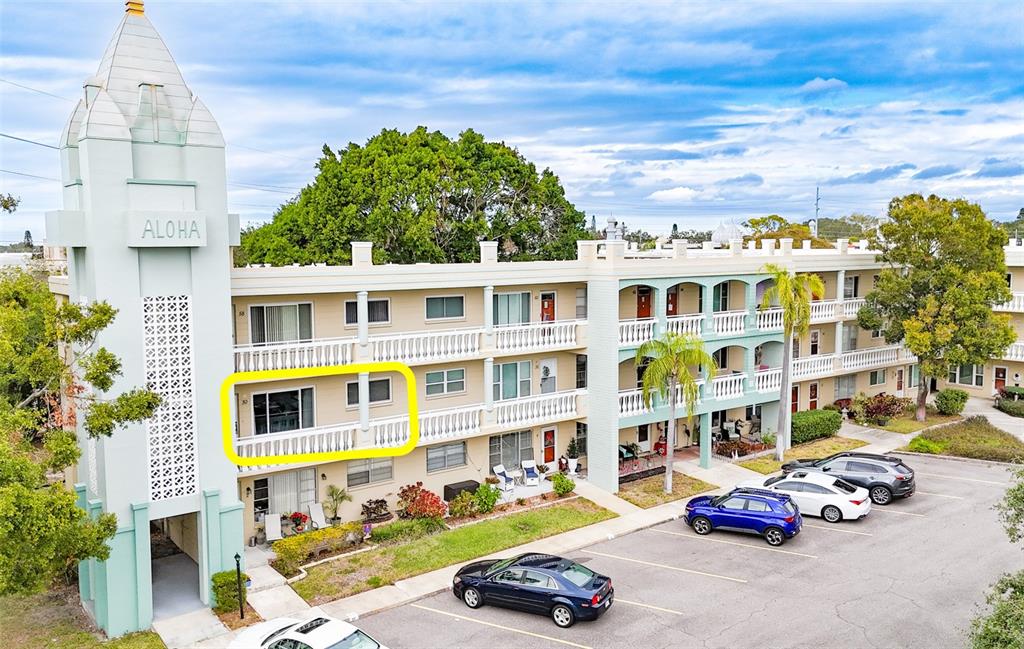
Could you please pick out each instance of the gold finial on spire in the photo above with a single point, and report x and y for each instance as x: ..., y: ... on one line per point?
x: 134, y: 7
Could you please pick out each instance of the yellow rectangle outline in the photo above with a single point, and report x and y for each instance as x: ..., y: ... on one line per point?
x: 227, y: 427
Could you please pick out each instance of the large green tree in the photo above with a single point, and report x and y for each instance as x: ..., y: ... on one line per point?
x: 1003, y: 626
x: 945, y: 269
x: 44, y: 392
x: 421, y: 197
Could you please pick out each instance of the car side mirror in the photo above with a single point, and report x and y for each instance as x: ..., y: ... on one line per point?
x: 826, y: 468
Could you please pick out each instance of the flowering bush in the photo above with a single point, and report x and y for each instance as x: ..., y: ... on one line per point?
x: 298, y: 519
x: 462, y: 505
x: 878, y: 409
x: 417, y: 502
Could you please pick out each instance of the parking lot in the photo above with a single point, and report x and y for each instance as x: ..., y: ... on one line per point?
x: 909, y: 575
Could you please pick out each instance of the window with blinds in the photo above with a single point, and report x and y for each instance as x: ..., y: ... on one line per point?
x: 280, y: 323
x: 510, y: 449
x: 511, y: 308
x: 446, y: 307
x: 377, y: 312
x: 511, y: 380
x: 275, y: 412
x: 446, y: 456
x: 380, y: 391
x: 363, y: 472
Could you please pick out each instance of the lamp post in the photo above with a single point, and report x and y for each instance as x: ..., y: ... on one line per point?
x: 238, y: 580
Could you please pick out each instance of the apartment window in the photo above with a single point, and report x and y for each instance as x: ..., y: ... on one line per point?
x: 581, y: 371
x: 511, y: 308
x: 815, y: 342
x: 581, y: 437
x: 851, y: 287
x: 446, y: 308
x: 511, y: 380
x: 377, y: 311
x: 446, y: 456
x: 370, y: 471
x: 876, y: 333
x: 581, y: 303
x: 1009, y: 280
x: 380, y: 391
x: 915, y: 376
x: 284, y: 493
x: 640, y: 370
x: 753, y: 412
x: 275, y: 412
x: 700, y: 298
x: 850, y: 338
x: 720, y: 297
x: 280, y: 323
x: 967, y: 375
x: 876, y: 377
x: 510, y: 449
x: 846, y: 385
x: 796, y: 347
x: 445, y: 382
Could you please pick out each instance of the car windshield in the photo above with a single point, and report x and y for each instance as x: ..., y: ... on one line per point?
x: 771, y: 481
x: 357, y: 640
x: 501, y: 565
x: 277, y: 633
x: 844, y: 486
x: 577, y: 574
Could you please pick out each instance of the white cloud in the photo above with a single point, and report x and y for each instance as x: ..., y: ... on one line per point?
x: 680, y: 194
x: 819, y: 86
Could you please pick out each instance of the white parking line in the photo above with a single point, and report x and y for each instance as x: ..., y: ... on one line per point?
x: 499, y: 626
x: 619, y: 600
x: 666, y: 567
x: 742, y: 545
x: 834, y: 528
x: 928, y: 493
x: 896, y: 511
x: 955, y: 477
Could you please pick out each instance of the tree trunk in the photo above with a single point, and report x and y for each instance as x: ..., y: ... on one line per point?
x: 922, y: 398
x: 782, y: 434
x: 670, y: 435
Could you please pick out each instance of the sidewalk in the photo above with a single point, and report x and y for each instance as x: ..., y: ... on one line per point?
x: 998, y: 418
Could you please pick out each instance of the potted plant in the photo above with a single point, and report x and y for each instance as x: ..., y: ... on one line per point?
x: 335, y: 497
x: 572, y: 454
x: 299, y: 520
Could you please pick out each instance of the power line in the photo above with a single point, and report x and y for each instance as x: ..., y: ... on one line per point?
x: 41, y: 92
x: 21, y: 139
x: 19, y: 173
x: 265, y: 188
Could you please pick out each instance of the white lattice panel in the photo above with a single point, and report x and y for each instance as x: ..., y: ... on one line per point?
x: 171, y: 431
x: 90, y: 447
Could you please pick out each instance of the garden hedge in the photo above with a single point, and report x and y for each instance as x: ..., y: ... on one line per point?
x: 1011, y: 407
x: 809, y: 425
x: 950, y: 401
x: 293, y: 551
x: 225, y: 591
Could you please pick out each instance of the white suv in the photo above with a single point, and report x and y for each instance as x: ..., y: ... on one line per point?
x: 321, y: 632
x: 819, y: 494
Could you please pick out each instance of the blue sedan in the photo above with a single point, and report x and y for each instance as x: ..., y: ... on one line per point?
x: 536, y: 583
x: 770, y: 514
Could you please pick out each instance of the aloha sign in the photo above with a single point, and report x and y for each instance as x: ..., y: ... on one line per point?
x: 166, y: 229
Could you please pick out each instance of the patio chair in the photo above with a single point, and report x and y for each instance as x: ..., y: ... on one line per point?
x: 531, y: 478
x: 505, y: 482
x: 316, y: 515
x: 272, y: 526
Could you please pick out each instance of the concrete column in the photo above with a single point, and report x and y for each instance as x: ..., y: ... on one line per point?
x: 586, y: 251
x: 660, y: 309
x: 838, y: 362
x: 489, y: 252
x: 614, y: 250
x: 603, y: 384
x: 144, y: 569
x: 736, y: 246
x: 363, y: 317
x: 364, y: 402
x: 750, y: 295
x: 489, y: 384
x: 488, y: 341
x: 840, y: 281
x: 843, y: 246
x: 786, y: 246
x: 748, y: 367
x: 679, y: 248
x: 768, y: 246
x: 362, y: 253
x: 707, y: 309
x: 705, y: 440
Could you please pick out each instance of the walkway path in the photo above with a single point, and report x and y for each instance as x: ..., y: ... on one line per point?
x: 998, y: 418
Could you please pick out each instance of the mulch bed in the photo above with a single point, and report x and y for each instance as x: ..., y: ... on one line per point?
x: 232, y: 621
x: 504, y: 509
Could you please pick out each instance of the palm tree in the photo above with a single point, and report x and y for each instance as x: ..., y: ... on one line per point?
x: 669, y: 359
x: 793, y: 294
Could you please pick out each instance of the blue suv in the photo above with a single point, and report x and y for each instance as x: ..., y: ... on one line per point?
x: 770, y: 514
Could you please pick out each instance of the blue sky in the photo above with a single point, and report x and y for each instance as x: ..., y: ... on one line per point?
x: 656, y: 113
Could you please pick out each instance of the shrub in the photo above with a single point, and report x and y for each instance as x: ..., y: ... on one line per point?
x: 225, y: 591
x: 294, y: 551
x: 563, y: 485
x: 831, y: 406
x: 950, y: 401
x: 1003, y: 626
x: 768, y: 439
x: 486, y: 497
x: 462, y: 505
x: 1012, y: 391
x: 1011, y: 407
x: 375, y: 510
x: 406, y: 530
x: 810, y: 425
x: 922, y: 445
x: 878, y: 409
x: 975, y: 438
x: 417, y: 502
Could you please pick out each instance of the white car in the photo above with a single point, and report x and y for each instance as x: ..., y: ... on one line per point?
x: 320, y: 632
x: 819, y: 494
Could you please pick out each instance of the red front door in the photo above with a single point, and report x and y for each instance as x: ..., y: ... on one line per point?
x: 549, y: 446
x: 671, y: 310
x: 812, y: 396
x: 643, y: 301
x: 794, y: 399
x: 1000, y: 379
x: 547, y: 307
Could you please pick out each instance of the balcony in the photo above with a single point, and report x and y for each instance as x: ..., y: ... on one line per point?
x: 289, y: 355
x: 728, y: 387
x: 870, y: 357
x: 812, y: 366
x: 538, y: 409
x: 729, y: 323
x: 1016, y: 304
x: 769, y: 380
x: 633, y: 333
x: 1014, y: 352
x: 770, y: 319
x: 631, y: 402
x: 322, y: 439
x: 852, y: 306
x: 824, y: 311
x: 536, y: 336
x: 426, y: 347
x: 685, y: 324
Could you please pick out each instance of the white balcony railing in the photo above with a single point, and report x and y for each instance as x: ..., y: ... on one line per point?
x: 322, y: 439
x: 685, y: 324
x: 635, y: 332
x: 809, y: 366
x: 1014, y: 352
x: 285, y: 355
x: 823, y: 310
x: 869, y: 357
x: 1016, y: 304
x: 852, y: 306
x: 435, y: 425
x: 768, y: 380
x: 631, y: 402
x: 414, y: 347
x: 729, y: 323
x: 537, y: 409
x: 728, y: 387
x: 536, y: 335
x: 769, y: 319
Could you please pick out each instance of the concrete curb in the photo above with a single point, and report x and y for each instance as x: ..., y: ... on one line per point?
x: 967, y: 460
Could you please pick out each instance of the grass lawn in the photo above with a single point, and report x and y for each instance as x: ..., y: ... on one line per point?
x: 817, y: 448
x: 390, y: 563
x: 906, y: 423
x: 974, y: 438
x: 649, y: 492
x: 54, y: 620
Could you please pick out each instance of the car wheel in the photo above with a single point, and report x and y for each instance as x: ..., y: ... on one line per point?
x: 702, y: 525
x: 472, y: 598
x: 774, y: 536
x: 832, y: 514
x: 563, y: 616
x: 881, y: 495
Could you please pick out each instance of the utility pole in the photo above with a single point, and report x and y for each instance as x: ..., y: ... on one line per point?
x: 817, y: 199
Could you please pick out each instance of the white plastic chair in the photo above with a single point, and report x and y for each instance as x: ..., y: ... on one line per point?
x: 316, y: 514
x: 272, y: 526
x: 531, y: 478
x: 505, y: 481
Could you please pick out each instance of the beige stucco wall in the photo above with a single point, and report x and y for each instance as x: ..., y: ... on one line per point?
x: 328, y: 312
x: 184, y: 532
